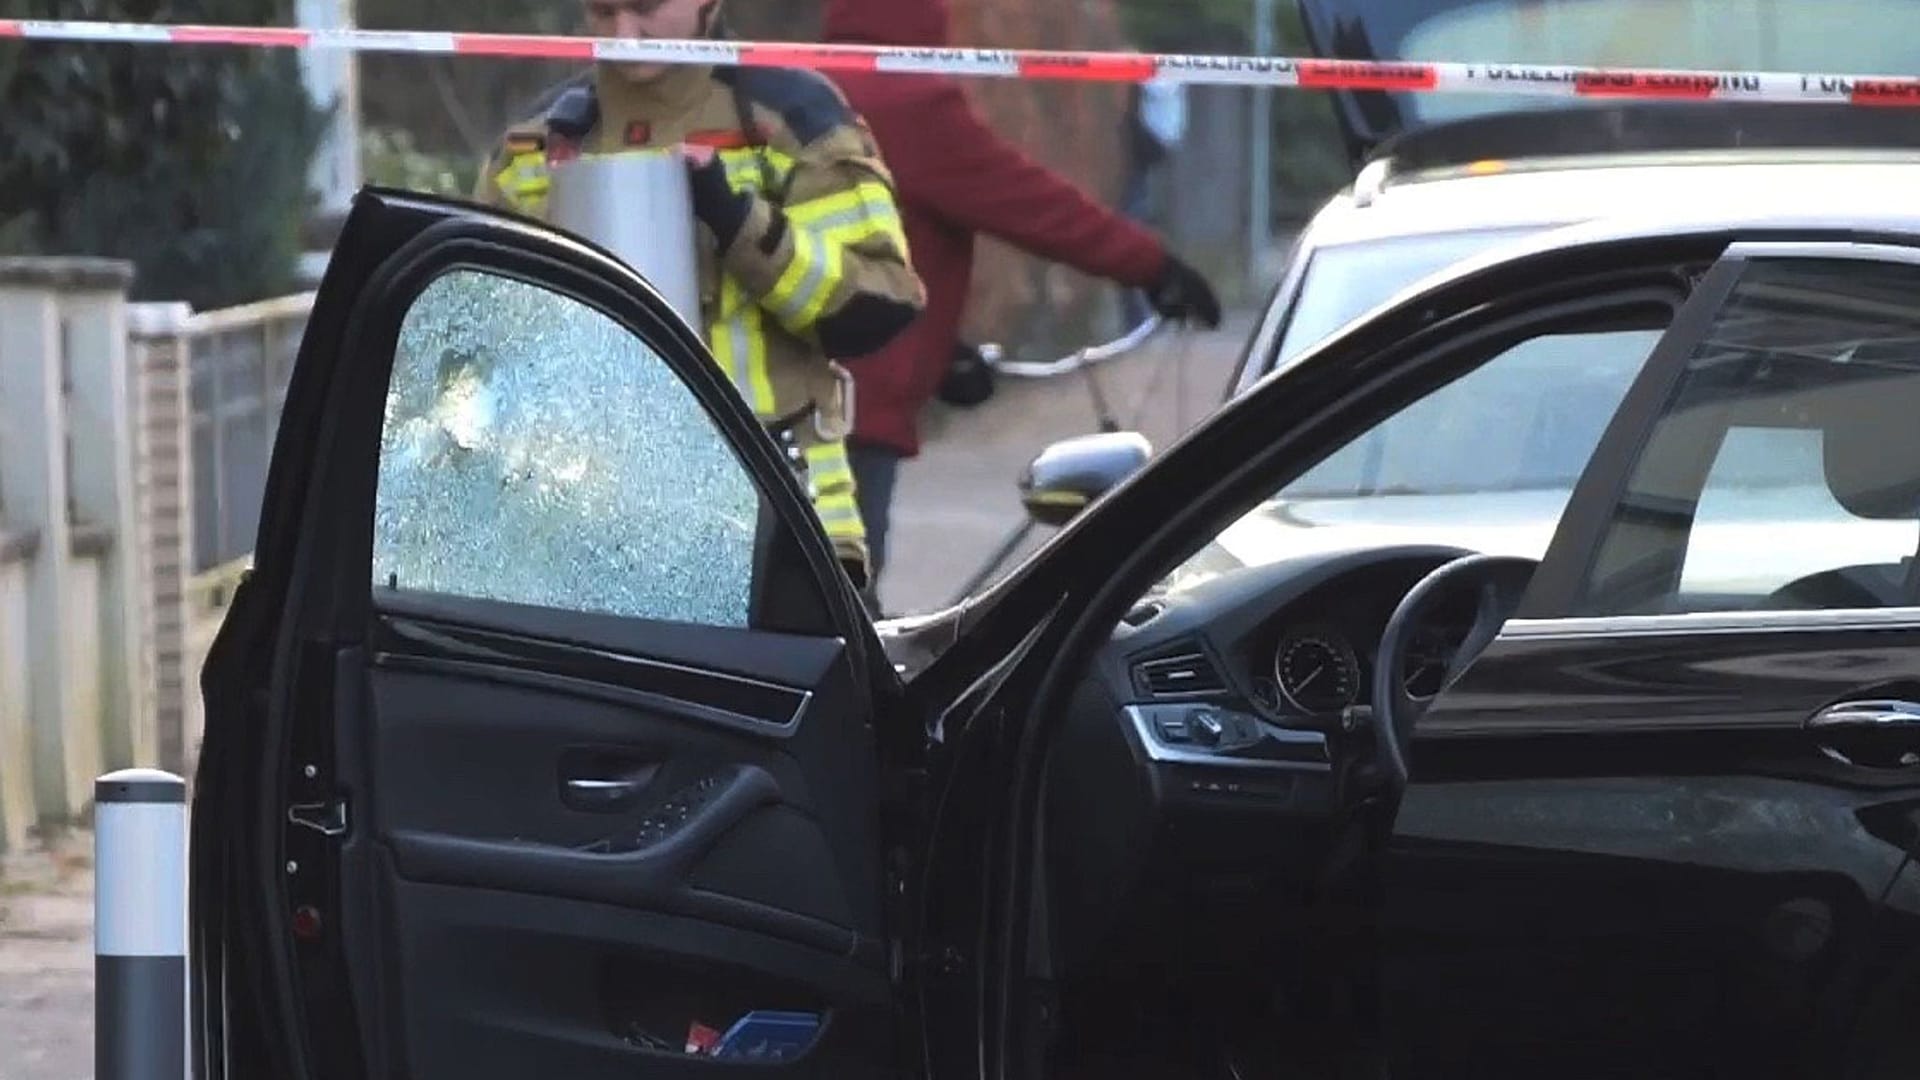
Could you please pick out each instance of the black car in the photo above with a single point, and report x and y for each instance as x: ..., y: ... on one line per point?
x: 546, y: 738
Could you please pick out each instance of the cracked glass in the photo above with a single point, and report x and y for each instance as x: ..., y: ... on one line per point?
x: 536, y: 452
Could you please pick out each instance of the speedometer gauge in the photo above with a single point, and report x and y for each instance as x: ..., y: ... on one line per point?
x: 1317, y: 670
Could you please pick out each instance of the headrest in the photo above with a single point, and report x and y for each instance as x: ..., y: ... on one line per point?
x: 1871, y: 445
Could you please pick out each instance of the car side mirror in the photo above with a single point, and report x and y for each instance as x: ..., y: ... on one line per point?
x: 1071, y: 473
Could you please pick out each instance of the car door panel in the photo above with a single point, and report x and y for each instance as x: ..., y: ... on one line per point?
x: 706, y: 808
x: 577, y: 722
x: 516, y: 1006
x: 1634, y: 842
x: 1743, y: 786
x: 1624, y: 842
x: 615, y: 771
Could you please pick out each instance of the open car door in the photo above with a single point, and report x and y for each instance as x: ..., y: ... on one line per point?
x: 545, y: 738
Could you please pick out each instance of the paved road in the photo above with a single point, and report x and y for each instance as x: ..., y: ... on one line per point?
x: 955, y: 504
x: 46, y: 964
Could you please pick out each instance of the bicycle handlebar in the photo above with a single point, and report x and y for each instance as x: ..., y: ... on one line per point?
x: 1092, y: 354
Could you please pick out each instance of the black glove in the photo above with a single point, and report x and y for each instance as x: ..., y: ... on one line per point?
x: 969, y: 378
x: 1183, y: 295
x: 715, y: 202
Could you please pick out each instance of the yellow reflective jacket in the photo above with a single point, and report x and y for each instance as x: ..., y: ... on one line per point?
x: 818, y: 268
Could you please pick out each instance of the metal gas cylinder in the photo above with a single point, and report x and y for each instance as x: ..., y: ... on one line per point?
x: 638, y: 205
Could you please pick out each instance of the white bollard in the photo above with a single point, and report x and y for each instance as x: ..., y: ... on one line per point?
x: 140, y: 926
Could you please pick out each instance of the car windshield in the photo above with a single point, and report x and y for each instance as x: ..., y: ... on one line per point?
x: 1528, y: 421
x: 1345, y: 281
x: 1486, y: 462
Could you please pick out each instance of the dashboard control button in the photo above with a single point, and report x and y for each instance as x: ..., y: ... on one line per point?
x: 1206, y: 726
x: 1266, y: 694
x: 1173, y: 728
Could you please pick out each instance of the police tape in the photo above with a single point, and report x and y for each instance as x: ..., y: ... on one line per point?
x: 1312, y: 74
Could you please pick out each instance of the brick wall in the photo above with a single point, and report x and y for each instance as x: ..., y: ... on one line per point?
x: 164, y: 478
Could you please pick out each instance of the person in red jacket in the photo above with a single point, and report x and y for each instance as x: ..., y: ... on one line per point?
x: 955, y: 178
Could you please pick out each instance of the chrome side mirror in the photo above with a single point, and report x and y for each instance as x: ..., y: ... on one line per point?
x: 1071, y: 473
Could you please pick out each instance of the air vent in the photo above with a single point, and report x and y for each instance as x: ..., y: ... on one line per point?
x: 1178, y: 676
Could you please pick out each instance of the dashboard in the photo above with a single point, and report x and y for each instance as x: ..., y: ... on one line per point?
x: 1315, y: 659
x: 1217, y: 737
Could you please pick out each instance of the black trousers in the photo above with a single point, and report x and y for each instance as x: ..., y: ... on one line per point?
x: 875, y: 470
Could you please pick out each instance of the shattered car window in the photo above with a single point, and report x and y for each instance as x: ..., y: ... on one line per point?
x: 536, y: 452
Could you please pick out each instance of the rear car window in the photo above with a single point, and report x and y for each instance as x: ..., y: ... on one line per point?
x: 1784, y: 472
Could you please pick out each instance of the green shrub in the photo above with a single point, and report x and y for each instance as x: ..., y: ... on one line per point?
x: 189, y: 161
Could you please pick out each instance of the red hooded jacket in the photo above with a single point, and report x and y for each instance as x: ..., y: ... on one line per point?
x: 953, y: 178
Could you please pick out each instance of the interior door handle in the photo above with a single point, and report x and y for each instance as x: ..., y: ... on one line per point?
x: 589, y: 793
x: 1875, y: 732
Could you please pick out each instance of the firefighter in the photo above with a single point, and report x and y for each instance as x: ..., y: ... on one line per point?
x: 801, y: 250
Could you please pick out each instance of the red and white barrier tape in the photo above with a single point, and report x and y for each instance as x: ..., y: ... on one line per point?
x: 1531, y: 79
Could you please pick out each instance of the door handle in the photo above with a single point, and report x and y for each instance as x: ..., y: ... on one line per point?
x: 589, y: 793
x: 1874, y: 732
x: 1873, y: 714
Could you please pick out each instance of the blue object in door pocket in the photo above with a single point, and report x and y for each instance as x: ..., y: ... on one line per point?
x: 764, y: 1035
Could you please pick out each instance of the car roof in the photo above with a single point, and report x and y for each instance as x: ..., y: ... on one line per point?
x: 1550, y: 205
x: 1878, y: 210
x: 1544, y: 193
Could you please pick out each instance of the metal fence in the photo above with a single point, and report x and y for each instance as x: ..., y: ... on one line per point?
x: 213, y: 386
x: 240, y: 361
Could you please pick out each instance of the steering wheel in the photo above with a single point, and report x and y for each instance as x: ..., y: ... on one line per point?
x: 1499, y: 581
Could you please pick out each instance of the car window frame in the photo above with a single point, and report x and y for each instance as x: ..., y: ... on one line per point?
x: 1263, y: 349
x: 1541, y: 320
x: 1641, y: 277
x: 1551, y: 599
x: 562, y: 281
x: 795, y: 574
x: 529, y: 615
